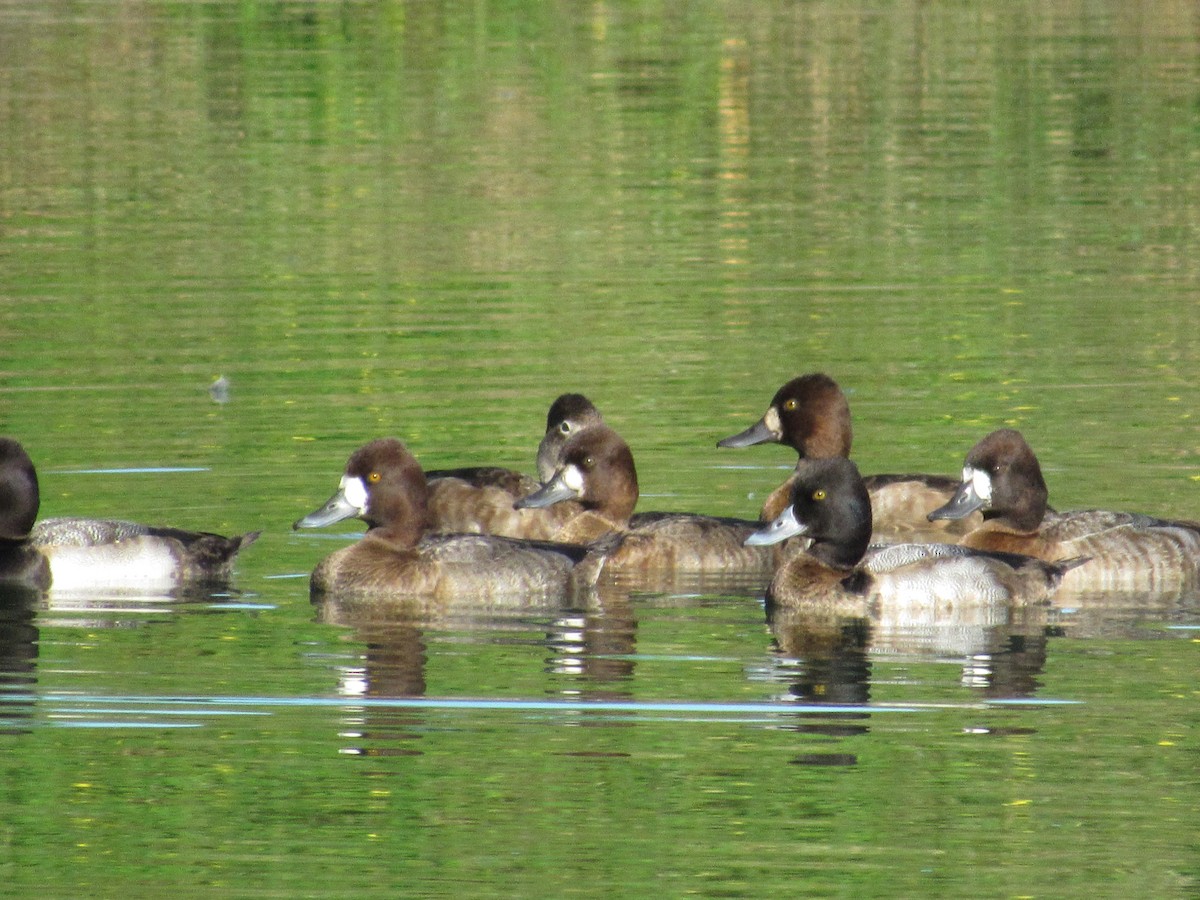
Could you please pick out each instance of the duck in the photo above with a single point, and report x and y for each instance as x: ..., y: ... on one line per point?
x: 841, y: 570
x: 1130, y: 552
x: 21, y: 564
x: 399, y: 557
x: 811, y: 415
x: 596, y: 485
x: 479, y: 500
x: 74, y: 554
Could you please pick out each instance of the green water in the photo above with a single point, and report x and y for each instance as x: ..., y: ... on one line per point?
x: 427, y: 220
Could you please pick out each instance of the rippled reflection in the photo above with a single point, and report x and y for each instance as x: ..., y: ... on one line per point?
x: 18, y: 656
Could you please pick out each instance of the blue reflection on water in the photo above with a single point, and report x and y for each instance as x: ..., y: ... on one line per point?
x: 656, y: 706
x: 141, y: 470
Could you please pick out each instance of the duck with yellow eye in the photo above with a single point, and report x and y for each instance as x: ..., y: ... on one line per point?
x: 397, y: 558
x: 831, y: 507
x: 811, y: 415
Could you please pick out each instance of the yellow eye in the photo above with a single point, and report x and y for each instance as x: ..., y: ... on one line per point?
x: 789, y: 405
x: 374, y: 477
x: 819, y: 494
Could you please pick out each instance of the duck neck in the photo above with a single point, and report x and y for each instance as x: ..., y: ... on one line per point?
x: 840, y: 556
x: 403, y: 523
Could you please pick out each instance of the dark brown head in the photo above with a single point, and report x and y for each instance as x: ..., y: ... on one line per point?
x: 569, y: 414
x: 19, y: 497
x: 1001, y: 477
x: 385, y: 487
x: 597, y: 471
x: 810, y: 414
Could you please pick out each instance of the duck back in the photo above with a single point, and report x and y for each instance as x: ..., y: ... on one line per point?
x: 459, y: 506
x: 682, y: 543
x: 109, y: 554
x: 488, y: 568
x: 1129, y: 553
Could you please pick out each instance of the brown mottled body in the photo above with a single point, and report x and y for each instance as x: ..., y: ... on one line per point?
x: 1128, y: 552
x: 479, y: 500
x: 597, y: 476
x: 384, y: 486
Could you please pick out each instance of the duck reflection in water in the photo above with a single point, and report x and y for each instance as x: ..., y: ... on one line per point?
x: 591, y: 655
x: 18, y: 655
x: 593, y: 646
x: 824, y: 661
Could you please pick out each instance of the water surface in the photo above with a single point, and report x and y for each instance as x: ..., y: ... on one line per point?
x: 427, y: 220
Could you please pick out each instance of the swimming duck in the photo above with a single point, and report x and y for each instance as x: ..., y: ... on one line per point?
x: 384, y: 485
x: 832, y: 508
x: 1130, y: 552
x: 811, y: 415
x: 479, y: 500
x: 596, y: 483
x: 79, y: 554
x: 20, y: 561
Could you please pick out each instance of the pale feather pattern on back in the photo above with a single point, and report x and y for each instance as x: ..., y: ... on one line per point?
x: 886, y: 557
x: 960, y: 572
x: 111, y: 553
x: 77, y: 532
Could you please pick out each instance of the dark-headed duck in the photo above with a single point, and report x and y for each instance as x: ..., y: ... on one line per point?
x: 384, y: 486
x: 480, y: 500
x: 832, y: 508
x: 811, y: 415
x: 1129, y: 552
x: 596, y: 482
x: 81, y: 555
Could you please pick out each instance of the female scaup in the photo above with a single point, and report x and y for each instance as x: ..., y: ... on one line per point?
x: 479, y: 500
x: 101, y: 554
x: 832, y: 508
x: 1129, y: 552
x: 596, y: 483
x: 384, y: 486
x: 811, y: 415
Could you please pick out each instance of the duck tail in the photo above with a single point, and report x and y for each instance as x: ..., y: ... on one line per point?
x: 1066, y: 565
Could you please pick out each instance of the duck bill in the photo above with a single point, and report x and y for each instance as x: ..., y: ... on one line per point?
x: 337, y: 508
x: 553, y: 491
x: 784, y: 527
x: 758, y: 433
x: 964, y: 502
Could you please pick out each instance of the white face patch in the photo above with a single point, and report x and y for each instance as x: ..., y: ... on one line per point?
x: 355, y: 492
x: 981, y: 482
x: 771, y: 420
x: 573, y: 479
